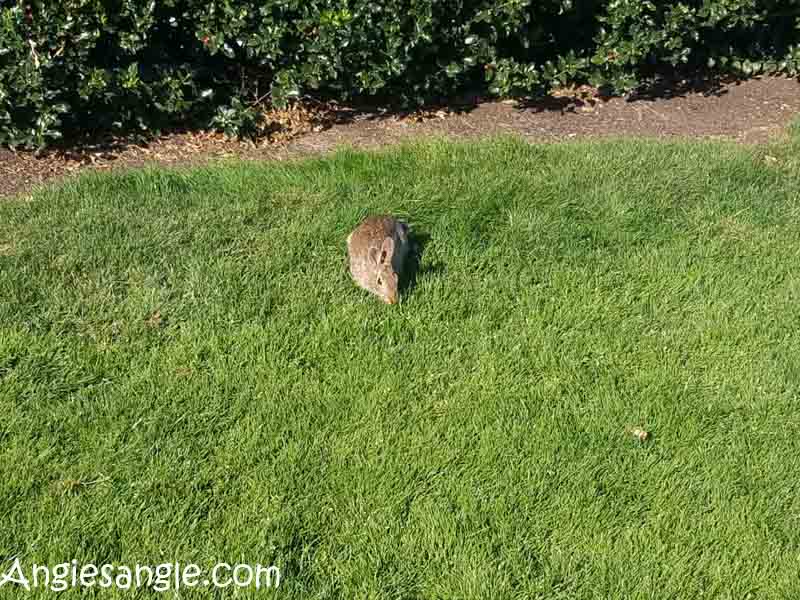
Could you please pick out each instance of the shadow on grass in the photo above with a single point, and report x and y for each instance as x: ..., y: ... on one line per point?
x: 414, y: 267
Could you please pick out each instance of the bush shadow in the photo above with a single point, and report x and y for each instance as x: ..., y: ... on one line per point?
x: 661, y: 86
x: 382, y: 109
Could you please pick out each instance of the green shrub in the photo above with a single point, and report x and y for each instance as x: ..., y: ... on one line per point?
x: 74, y: 66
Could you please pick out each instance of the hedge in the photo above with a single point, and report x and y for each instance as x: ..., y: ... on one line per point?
x: 77, y: 66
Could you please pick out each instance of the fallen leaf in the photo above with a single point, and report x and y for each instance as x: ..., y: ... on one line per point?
x: 154, y: 321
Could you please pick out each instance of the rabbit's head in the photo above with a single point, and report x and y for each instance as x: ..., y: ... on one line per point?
x: 386, y: 281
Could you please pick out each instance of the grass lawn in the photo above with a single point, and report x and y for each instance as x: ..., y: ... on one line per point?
x: 188, y: 373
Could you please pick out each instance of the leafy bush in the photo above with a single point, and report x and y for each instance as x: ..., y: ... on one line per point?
x: 72, y: 66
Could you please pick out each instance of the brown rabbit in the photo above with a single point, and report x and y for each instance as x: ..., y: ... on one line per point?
x: 378, y: 248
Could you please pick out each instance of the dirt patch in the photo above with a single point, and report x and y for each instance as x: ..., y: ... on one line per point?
x: 752, y: 111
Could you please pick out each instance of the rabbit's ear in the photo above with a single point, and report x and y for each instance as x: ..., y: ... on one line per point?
x: 387, y: 249
x: 374, y: 255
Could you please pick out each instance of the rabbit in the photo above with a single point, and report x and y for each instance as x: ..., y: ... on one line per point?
x: 378, y: 248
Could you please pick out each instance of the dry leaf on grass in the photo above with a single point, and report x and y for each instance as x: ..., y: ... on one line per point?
x: 640, y: 434
x: 155, y: 321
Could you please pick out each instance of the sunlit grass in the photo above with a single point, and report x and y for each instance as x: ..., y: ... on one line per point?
x: 188, y: 373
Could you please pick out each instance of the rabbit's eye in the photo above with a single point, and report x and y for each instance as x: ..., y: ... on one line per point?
x: 380, y: 281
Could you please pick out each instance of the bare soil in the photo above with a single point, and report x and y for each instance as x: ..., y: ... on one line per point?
x: 750, y: 112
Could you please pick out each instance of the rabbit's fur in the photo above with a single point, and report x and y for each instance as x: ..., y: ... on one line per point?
x: 378, y: 248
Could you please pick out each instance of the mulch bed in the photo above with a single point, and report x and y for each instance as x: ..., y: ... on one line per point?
x: 752, y: 111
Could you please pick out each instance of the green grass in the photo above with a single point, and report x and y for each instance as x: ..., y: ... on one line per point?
x: 468, y: 443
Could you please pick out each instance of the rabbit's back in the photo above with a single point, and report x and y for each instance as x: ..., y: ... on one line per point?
x: 371, y: 233
x: 373, y: 230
